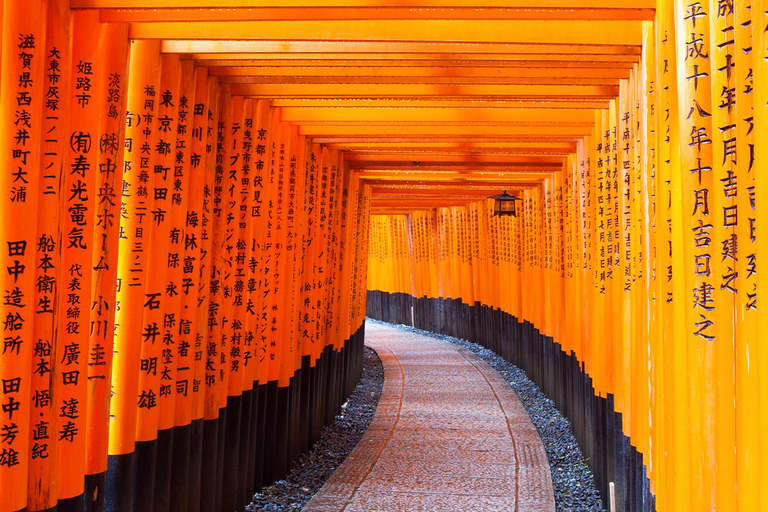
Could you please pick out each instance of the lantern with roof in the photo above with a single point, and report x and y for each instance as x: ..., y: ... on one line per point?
x: 504, y: 204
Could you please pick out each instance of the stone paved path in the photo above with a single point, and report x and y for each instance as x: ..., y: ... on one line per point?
x: 449, y: 434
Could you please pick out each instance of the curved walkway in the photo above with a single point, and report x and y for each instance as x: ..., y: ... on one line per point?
x: 449, y: 434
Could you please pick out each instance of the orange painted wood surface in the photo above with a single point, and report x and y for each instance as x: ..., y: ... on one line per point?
x: 197, y: 196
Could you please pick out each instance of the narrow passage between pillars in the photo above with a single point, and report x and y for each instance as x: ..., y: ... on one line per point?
x: 182, y: 289
x: 449, y: 434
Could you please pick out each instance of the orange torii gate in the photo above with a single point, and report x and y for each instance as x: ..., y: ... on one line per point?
x: 152, y: 211
x: 185, y: 232
x: 627, y: 283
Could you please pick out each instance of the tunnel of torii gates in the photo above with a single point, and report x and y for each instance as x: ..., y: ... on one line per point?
x: 196, y: 196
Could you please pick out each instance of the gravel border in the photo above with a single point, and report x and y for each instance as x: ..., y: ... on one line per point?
x: 573, y: 482
x: 308, y: 474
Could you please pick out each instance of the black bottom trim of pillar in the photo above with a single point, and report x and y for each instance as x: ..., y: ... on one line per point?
x: 333, y: 372
x: 321, y: 385
x: 216, y: 465
x: 194, y: 482
x: 164, y: 469
x: 209, y: 450
x: 313, y: 406
x: 144, y: 489
x: 302, y: 444
x: 75, y: 504
x: 270, y: 433
x: 221, y: 447
x: 282, y: 426
x: 294, y: 417
x: 244, y: 473
x: 260, y: 441
x: 120, y: 480
x: 253, y: 430
x: 231, y: 459
x: 180, y: 468
x: 95, y: 492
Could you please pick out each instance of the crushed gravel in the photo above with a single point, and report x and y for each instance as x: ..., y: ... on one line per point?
x: 312, y: 469
x: 573, y: 482
x: 572, y: 479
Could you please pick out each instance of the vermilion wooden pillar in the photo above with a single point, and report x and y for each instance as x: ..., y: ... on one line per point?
x: 21, y: 105
x: 135, y: 225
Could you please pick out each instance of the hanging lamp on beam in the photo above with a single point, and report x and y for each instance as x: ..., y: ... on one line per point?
x: 504, y: 204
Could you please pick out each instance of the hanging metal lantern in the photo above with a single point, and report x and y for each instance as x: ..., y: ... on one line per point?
x: 504, y: 204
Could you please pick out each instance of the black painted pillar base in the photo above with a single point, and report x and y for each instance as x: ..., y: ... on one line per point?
x: 180, y: 468
x: 95, y: 492
x: 163, y: 470
x: 194, y: 483
x: 120, y: 480
x: 231, y: 453
x: 261, y: 437
x: 144, y: 490
x: 208, y: 467
x: 217, y: 464
x: 76, y: 504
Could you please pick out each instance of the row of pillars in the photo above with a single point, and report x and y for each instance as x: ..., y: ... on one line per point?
x: 641, y: 258
x: 168, y: 249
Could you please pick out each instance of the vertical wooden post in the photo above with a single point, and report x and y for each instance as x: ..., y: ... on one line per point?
x: 135, y: 227
x: 757, y: 219
x: 232, y: 386
x: 722, y: 198
x: 43, y: 469
x: 111, y: 141
x: 215, y: 342
x: 202, y: 426
x: 694, y: 89
x: 177, y: 89
x: 21, y: 103
x: 78, y: 228
x: 746, y: 386
x: 192, y: 128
